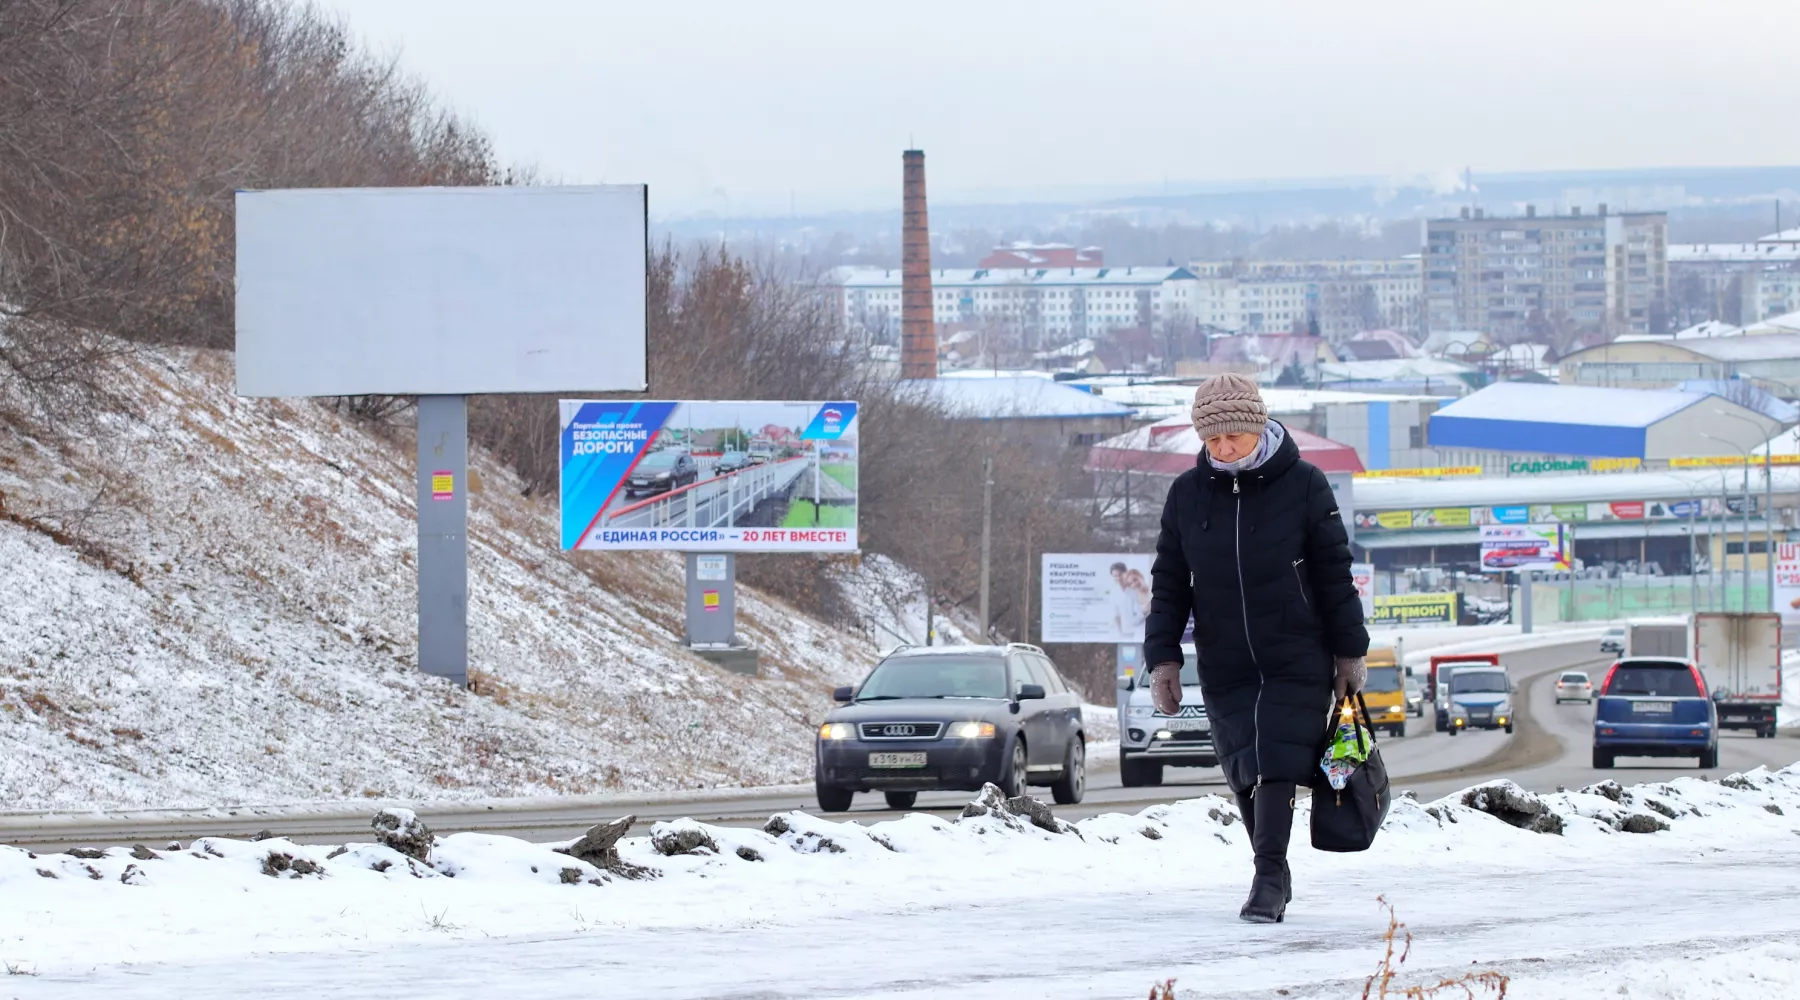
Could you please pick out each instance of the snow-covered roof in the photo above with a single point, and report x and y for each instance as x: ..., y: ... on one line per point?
x: 993, y: 373
x: 1785, y: 443
x: 1709, y: 328
x: 1776, y: 324
x: 1170, y: 447
x: 1016, y: 397
x: 1394, y: 370
x: 1762, y: 347
x: 1733, y: 253
x: 854, y: 278
x: 1575, y: 404
x: 1745, y: 394
x: 1076, y: 349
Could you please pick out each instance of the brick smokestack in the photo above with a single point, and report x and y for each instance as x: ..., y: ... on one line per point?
x: 918, y: 329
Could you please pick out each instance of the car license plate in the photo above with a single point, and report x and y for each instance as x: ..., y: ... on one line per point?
x: 1187, y: 725
x: 897, y: 760
x: 1652, y: 707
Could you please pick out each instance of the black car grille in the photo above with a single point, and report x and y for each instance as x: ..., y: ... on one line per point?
x: 1190, y: 736
x: 887, y: 773
x: 900, y: 730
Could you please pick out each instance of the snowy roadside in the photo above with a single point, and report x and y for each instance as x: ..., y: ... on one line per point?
x: 77, y: 921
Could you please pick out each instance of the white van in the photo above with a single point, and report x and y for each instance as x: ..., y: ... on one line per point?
x: 1149, y: 740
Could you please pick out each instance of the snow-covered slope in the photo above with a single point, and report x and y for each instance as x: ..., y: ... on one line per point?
x: 234, y: 622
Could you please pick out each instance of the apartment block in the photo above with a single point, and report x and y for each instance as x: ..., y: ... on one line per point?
x: 1530, y: 275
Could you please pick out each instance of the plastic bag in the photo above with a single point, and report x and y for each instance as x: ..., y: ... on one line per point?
x: 1345, y: 754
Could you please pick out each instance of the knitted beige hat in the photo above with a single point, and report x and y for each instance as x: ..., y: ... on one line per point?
x: 1229, y: 404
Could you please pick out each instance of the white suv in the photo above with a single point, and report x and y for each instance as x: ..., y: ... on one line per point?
x: 1149, y: 740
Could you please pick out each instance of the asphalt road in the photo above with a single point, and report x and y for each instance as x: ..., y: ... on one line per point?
x: 1549, y: 748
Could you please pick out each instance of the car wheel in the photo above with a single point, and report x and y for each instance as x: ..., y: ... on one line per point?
x: 833, y: 800
x: 1153, y: 773
x: 1450, y: 729
x: 1709, y: 758
x: 1131, y: 773
x: 1509, y: 729
x: 901, y: 800
x: 1013, y: 781
x: 1603, y: 761
x: 1069, y: 788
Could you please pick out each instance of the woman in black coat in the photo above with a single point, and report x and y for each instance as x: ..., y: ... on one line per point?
x: 1252, y: 546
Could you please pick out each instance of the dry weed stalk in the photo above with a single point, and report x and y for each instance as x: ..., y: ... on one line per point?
x: 1381, y: 983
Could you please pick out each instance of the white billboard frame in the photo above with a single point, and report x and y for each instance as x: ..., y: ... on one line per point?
x: 1549, y: 541
x: 1081, y: 600
x: 610, y: 500
x: 441, y: 291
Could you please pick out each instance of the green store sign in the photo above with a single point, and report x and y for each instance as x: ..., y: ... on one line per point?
x: 1536, y: 466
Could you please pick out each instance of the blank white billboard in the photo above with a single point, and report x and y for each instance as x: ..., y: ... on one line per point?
x: 440, y: 291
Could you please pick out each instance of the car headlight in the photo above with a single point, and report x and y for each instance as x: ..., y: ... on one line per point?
x: 972, y: 731
x: 1140, y: 711
x: 1164, y: 734
x: 837, y: 731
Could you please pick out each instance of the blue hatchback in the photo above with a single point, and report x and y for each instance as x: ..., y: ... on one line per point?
x: 1654, y: 707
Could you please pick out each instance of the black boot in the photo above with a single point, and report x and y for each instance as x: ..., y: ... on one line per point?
x: 1272, y: 806
x: 1247, y: 809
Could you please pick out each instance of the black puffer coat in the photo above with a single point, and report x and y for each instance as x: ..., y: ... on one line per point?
x: 1262, y: 561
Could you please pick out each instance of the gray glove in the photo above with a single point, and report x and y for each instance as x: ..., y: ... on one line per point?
x: 1352, y: 674
x: 1165, y: 687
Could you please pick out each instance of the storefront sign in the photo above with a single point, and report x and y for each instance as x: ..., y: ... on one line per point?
x: 1787, y: 581
x: 1713, y: 461
x: 1539, y: 466
x: 1417, y: 609
x: 1432, y: 473
x: 1509, y: 515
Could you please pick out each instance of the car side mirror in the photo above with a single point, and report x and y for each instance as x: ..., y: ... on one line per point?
x: 1031, y: 692
x: 1124, y: 682
x: 843, y: 694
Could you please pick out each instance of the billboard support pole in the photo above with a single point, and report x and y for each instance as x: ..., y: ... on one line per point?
x: 443, y: 562
x: 1768, y: 527
x: 987, y: 523
x: 1525, y: 600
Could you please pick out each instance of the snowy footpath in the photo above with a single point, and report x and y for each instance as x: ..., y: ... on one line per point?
x: 1678, y: 890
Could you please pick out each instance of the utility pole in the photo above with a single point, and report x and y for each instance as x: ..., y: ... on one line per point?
x: 1769, y: 519
x: 987, y: 523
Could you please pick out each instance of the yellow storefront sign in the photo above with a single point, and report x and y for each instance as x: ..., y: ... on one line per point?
x: 1395, y: 519
x: 1432, y: 473
x: 1713, y: 461
x: 1615, y: 464
x: 1399, y: 609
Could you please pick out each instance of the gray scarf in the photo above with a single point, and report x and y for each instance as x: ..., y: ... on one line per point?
x: 1272, y: 436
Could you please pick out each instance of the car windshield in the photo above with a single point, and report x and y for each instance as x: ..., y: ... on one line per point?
x: 735, y: 456
x: 661, y: 461
x: 1478, y: 682
x: 936, y: 677
x: 1673, y: 681
x: 1383, y: 679
x: 1615, y: 631
x: 1574, y: 678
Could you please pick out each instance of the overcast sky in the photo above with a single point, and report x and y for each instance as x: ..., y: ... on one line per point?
x: 744, y: 108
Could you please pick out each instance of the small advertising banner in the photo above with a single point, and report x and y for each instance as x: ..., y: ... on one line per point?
x: 1417, y: 609
x: 1363, y: 574
x: 708, y: 476
x: 1787, y: 581
x: 1095, y: 597
x: 1524, y: 547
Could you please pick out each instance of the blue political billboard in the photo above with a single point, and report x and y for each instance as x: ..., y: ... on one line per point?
x: 708, y: 476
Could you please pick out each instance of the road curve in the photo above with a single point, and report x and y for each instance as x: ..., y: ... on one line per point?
x: 1549, y: 748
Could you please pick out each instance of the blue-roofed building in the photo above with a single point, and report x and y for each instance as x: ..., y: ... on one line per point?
x: 1521, y: 418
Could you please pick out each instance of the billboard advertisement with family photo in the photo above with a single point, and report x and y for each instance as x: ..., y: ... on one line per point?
x: 1095, y: 597
x: 708, y: 476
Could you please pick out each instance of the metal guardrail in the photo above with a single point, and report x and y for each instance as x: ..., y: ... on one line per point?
x: 712, y: 503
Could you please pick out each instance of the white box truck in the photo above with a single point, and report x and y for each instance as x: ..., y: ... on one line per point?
x: 1739, y: 654
x: 1657, y: 637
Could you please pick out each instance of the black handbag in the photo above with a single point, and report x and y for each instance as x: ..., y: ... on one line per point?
x: 1347, y: 819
